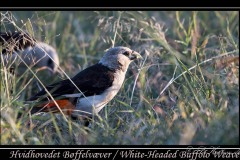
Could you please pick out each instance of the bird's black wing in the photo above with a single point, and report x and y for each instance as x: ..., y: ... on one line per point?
x: 19, y: 40
x: 91, y: 81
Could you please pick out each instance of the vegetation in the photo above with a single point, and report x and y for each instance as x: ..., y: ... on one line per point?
x: 185, y: 91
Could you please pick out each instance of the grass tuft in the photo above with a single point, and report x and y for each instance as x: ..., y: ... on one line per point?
x: 186, y: 91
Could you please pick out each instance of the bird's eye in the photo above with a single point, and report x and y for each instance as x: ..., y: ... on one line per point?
x: 126, y: 53
x: 50, y: 64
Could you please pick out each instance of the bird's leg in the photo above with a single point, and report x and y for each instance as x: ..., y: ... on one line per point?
x: 85, y: 120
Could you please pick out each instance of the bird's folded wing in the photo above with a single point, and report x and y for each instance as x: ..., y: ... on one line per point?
x: 91, y: 81
x: 19, y: 41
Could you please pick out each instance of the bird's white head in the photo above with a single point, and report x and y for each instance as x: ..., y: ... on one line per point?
x: 47, y: 56
x: 119, y: 58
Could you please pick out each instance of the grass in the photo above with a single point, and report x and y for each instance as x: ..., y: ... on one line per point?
x: 185, y: 92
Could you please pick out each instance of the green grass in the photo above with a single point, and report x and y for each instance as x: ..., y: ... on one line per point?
x: 185, y: 92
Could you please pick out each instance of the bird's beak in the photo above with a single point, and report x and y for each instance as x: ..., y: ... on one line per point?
x: 58, y: 71
x: 135, y: 55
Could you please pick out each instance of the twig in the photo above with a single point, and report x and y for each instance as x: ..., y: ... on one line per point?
x: 135, y: 82
x: 173, y: 79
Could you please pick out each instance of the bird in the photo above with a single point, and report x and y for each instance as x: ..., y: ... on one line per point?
x: 86, y: 93
x: 31, y: 51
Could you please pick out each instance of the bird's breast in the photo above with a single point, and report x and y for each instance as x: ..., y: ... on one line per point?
x: 93, y: 104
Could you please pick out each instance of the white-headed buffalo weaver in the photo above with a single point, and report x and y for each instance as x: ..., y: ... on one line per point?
x: 91, y: 89
x: 32, y: 52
